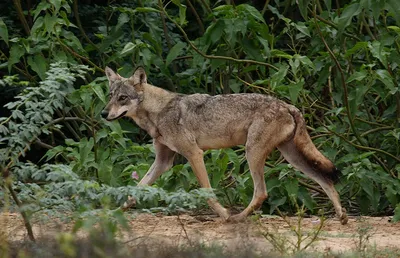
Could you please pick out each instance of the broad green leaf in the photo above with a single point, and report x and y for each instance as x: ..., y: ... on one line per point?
x: 277, y: 77
x: 280, y: 16
x: 276, y: 203
x: 305, y: 61
x: 359, y: 45
x: 128, y: 49
x: 328, y: 4
x: 214, y: 32
x: 175, y: 52
x: 40, y: 7
x: 250, y: 48
x: 182, y: 11
x: 265, y: 44
x: 230, y: 31
x: 302, y: 28
x: 38, y: 64
x: 396, y: 216
x: 98, y: 90
x: 37, y: 28
x: 348, y: 13
x: 252, y: 11
x: 50, y: 21
x: 146, y: 10
x: 303, y: 4
x: 376, y: 8
x: 384, y: 76
x: 394, y: 9
x: 280, y: 53
x: 378, y: 51
x: 358, y: 76
x: 16, y: 52
x: 71, y: 40
x: 3, y: 31
x: 294, y: 90
x: 394, y: 28
x: 122, y: 19
x: 85, y: 148
x: 56, y: 4
x: 305, y: 197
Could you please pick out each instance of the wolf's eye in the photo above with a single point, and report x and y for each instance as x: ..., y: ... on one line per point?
x: 122, y: 98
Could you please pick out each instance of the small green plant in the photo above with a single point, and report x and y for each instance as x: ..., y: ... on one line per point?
x: 285, y: 244
x: 362, y: 236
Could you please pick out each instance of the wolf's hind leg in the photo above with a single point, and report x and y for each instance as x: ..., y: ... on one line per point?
x: 291, y: 153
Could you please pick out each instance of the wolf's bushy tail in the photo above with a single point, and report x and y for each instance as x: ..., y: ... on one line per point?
x: 303, y: 155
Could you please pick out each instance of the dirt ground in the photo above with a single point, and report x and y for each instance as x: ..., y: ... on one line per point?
x: 210, y: 230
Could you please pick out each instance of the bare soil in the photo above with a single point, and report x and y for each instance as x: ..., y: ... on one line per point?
x: 210, y: 230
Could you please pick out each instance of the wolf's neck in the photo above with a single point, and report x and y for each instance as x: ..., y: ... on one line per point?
x: 155, y: 98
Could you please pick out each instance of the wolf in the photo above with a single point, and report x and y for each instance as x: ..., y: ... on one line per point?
x: 191, y: 124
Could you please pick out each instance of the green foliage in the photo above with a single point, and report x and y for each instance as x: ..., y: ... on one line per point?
x: 339, y: 64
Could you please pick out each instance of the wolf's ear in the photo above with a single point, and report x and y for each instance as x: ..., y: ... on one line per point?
x: 139, y: 77
x: 111, y: 75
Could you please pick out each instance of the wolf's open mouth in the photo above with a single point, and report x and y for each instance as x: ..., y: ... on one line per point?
x: 122, y: 114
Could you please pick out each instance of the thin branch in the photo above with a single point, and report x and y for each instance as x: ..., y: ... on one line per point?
x: 79, y: 56
x: 197, y: 16
x: 21, y: 16
x: 27, y: 224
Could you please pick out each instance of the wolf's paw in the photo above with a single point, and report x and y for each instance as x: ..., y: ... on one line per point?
x: 343, y: 218
x: 129, y: 203
x: 237, y: 218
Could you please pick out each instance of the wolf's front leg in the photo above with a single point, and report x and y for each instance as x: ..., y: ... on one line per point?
x: 164, y: 161
x: 195, y: 157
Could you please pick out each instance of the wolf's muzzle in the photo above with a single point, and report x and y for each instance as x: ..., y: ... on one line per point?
x: 104, y: 113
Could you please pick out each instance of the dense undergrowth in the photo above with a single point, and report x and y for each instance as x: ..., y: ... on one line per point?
x: 338, y: 62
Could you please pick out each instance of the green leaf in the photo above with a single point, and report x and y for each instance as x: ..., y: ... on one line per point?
x: 277, y: 77
x: 174, y: 52
x: 38, y: 64
x: 98, y: 90
x: 280, y: 53
x: 50, y: 21
x: 394, y: 9
x: 128, y: 49
x: 396, y: 216
x: 303, y: 4
x: 359, y: 45
x: 16, y: 52
x: 328, y: 4
x: 358, y: 76
x: 182, y: 11
x: 252, y: 11
x: 56, y: 4
x: 214, y: 32
x: 146, y: 10
x: 384, y: 76
x: 394, y: 28
x: 302, y: 28
x: 348, y: 13
x: 3, y: 31
x: 276, y: 203
x: 378, y: 51
x: 292, y: 186
x: 40, y: 7
x: 294, y: 90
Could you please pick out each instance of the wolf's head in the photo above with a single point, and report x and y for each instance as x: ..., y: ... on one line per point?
x: 125, y: 94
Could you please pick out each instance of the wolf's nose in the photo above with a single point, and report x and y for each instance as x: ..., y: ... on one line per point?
x: 104, y: 113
